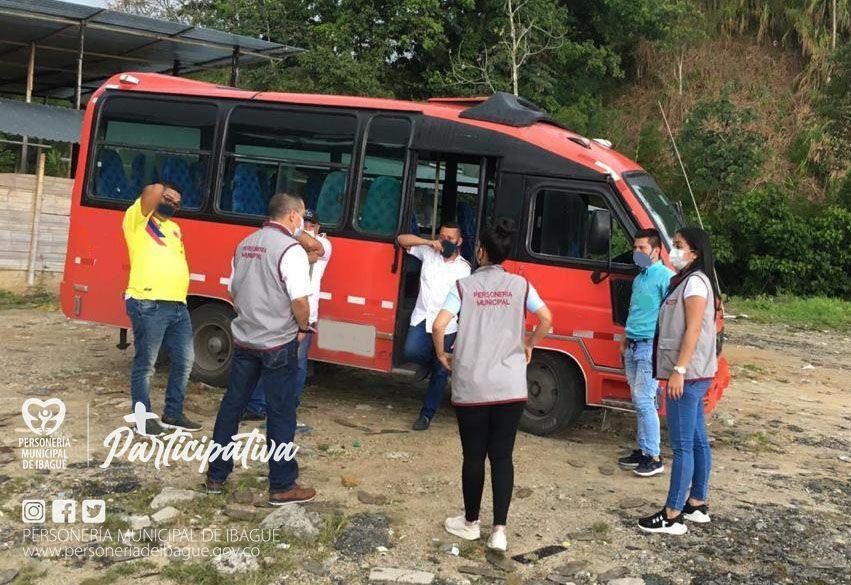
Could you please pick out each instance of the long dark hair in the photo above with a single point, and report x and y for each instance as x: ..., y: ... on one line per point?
x: 698, y: 241
x: 497, y: 239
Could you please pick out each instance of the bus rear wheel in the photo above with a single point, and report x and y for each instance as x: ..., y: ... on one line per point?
x: 556, y: 394
x: 213, y: 343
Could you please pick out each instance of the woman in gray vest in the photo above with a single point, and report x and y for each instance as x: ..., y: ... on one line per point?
x: 488, y: 368
x: 684, y: 350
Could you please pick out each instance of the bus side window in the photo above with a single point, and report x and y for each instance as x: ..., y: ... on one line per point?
x: 561, y: 221
x: 301, y: 153
x: 144, y: 141
x: 380, y: 197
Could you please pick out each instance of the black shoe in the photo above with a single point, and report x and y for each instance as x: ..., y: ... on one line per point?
x: 649, y: 467
x: 632, y: 460
x: 214, y: 487
x: 660, y: 523
x: 153, y: 428
x: 180, y: 422
x: 250, y: 415
x: 422, y: 423
x: 698, y: 514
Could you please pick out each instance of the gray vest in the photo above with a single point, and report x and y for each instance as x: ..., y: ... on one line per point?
x: 264, y: 318
x: 672, y: 327
x: 489, y: 361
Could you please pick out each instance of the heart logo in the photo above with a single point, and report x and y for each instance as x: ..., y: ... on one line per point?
x: 43, y: 417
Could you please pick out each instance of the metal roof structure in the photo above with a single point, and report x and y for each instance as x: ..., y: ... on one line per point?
x: 38, y: 121
x: 72, y: 48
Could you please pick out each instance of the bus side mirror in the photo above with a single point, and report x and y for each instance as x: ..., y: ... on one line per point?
x: 599, y: 233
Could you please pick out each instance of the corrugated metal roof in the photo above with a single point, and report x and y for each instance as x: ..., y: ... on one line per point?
x: 114, y: 42
x: 39, y: 121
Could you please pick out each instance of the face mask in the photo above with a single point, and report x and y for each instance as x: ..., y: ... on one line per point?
x: 299, y: 228
x: 311, y: 233
x: 678, y: 259
x: 641, y: 260
x: 166, y: 210
x: 448, y: 248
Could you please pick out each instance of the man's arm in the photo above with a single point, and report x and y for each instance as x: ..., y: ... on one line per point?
x: 311, y: 245
x: 301, y: 311
x: 409, y: 241
x: 151, y: 197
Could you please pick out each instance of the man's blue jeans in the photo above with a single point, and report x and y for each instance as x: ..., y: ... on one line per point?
x: 160, y: 324
x: 692, y: 456
x: 638, y: 365
x: 419, y: 348
x: 257, y: 404
x: 277, y: 371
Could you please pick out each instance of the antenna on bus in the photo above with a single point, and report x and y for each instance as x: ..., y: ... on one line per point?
x: 680, y: 160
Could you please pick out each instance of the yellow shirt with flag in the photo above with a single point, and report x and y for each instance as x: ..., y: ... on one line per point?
x: 158, y: 268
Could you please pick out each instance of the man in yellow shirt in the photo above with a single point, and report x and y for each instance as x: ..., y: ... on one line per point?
x: 156, y: 302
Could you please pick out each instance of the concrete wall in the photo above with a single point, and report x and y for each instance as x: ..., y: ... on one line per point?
x: 17, y: 193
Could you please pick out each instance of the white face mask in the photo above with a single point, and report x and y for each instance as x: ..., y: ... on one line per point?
x: 678, y: 259
x: 311, y: 233
x: 299, y: 228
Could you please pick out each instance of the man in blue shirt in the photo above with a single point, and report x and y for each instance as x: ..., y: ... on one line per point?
x: 648, y: 291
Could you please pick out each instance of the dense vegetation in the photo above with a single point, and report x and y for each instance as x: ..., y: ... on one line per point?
x: 758, y: 93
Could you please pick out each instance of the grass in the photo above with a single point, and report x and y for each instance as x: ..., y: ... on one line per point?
x: 119, y: 573
x: 37, y: 298
x: 30, y: 575
x: 819, y: 313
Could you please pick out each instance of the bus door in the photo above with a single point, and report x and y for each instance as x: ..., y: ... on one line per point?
x: 576, y: 248
x: 446, y: 188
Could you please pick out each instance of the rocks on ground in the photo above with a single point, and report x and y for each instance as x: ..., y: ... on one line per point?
x: 235, y: 562
x: 294, y: 521
x: 171, y: 495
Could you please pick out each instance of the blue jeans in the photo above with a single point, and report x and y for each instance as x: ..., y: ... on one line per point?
x: 276, y: 370
x: 160, y: 324
x: 257, y: 404
x: 638, y: 365
x: 419, y: 348
x: 692, y: 457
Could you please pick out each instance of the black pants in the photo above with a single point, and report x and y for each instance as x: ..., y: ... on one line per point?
x: 488, y: 431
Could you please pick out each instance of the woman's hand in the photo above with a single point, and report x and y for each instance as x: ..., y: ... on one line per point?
x: 675, y: 386
x: 446, y: 360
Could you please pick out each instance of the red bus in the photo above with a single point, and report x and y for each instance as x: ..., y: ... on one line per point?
x: 372, y: 168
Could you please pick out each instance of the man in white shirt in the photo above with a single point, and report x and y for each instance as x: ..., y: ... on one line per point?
x: 442, y: 266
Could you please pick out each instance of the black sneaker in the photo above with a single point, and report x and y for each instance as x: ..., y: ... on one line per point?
x: 632, y: 460
x: 153, y: 428
x: 698, y: 514
x: 250, y: 415
x: 660, y: 523
x: 180, y: 422
x: 649, y: 467
x: 422, y: 423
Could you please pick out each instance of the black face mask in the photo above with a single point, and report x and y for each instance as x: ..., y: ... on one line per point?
x: 448, y: 248
x: 166, y: 210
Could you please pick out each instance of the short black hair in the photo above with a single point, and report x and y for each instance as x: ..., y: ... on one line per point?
x: 498, y: 239
x: 651, y: 234
x: 453, y: 225
x: 172, y: 186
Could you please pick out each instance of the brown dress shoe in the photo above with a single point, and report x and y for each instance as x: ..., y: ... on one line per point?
x: 295, y: 495
x: 214, y: 487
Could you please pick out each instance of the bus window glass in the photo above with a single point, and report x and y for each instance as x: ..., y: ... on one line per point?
x: 302, y: 153
x: 657, y: 205
x: 142, y: 141
x: 381, y: 185
x: 561, y: 220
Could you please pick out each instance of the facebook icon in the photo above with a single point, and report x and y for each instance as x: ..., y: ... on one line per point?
x: 64, y: 511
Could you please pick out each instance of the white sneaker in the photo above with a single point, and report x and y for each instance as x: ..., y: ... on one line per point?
x: 459, y: 527
x: 498, y: 541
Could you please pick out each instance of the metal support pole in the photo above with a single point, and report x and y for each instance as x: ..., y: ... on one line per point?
x: 22, y: 167
x: 78, y: 90
x: 37, y: 201
x: 234, y: 67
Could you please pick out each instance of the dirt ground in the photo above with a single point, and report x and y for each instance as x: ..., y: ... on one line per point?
x: 780, y: 483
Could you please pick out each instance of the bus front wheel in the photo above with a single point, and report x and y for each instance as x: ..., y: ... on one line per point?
x: 213, y: 343
x: 556, y: 394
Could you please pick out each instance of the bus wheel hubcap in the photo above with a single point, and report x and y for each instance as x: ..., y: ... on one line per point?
x: 212, y: 347
x: 543, y: 391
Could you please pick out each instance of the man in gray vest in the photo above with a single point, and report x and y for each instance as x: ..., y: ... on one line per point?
x: 270, y: 286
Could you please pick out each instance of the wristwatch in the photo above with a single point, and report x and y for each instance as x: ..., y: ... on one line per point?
x: 680, y: 370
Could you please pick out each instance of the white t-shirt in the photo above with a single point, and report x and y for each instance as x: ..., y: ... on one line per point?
x: 437, y: 277
x: 695, y: 287
x: 316, y: 272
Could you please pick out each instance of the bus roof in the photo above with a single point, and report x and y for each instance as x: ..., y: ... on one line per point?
x: 543, y: 134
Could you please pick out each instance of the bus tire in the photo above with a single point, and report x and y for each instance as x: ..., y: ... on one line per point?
x: 213, y: 344
x: 556, y: 394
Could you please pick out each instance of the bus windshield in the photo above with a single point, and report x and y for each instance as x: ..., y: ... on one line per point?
x: 663, y: 214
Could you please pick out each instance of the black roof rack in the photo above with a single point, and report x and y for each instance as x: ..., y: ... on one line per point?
x: 509, y: 109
